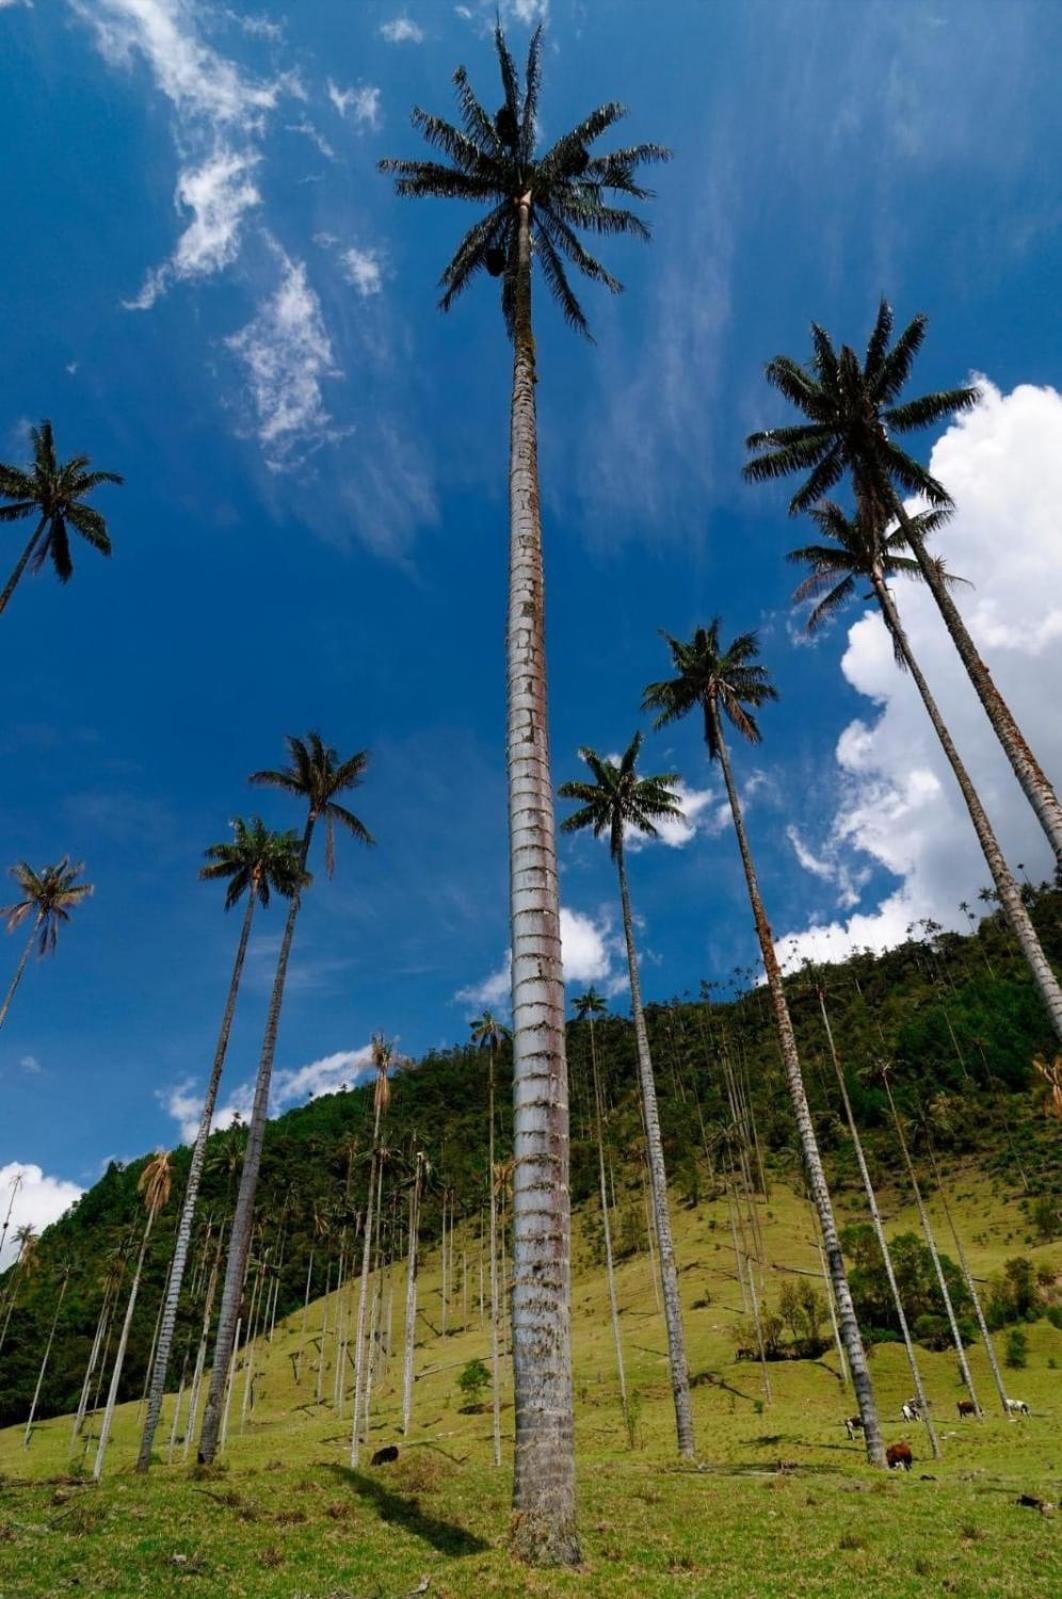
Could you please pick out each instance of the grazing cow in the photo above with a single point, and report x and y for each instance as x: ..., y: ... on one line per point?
x: 1017, y: 1407
x: 911, y: 1411
x: 385, y: 1456
x: 966, y: 1407
x: 899, y: 1455
x: 852, y: 1425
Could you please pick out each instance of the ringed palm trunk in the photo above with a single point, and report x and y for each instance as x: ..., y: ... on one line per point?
x: 243, y: 1217
x: 544, y: 1530
x: 191, y: 1195
x: 119, y: 1358
x: 1006, y: 887
x: 363, y: 1294
x: 44, y: 1363
x: 816, y: 1177
x: 13, y: 581
x: 495, y: 1378
x: 610, y: 1269
x: 676, y: 1341
x: 883, y: 1243
x: 1035, y: 784
x: 19, y: 970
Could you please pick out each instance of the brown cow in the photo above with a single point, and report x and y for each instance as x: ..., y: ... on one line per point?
x: 899, y: 1455
x: 966, y: 1407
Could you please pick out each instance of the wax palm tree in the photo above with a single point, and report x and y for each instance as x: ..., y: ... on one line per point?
x: 56, y: 493
x: 254, y: 863
x: 153, y: 1186
x: 536, y: 203
x: 489, y: 1034
x: 854, y: 413
x: 862, y: 548
x: 48, y: 897
x: 383, y: 1061
x: 26, y: 1240
x: 28, y: 1434
x: 589, y: 1007
x: 727, y: 681
x: 619, y: 800
x: 316, y: 775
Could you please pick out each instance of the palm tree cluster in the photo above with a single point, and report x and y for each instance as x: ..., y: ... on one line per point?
x: 538, y: 207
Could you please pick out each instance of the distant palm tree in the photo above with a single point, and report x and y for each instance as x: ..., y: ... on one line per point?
x: 317, y: 776
x: 153, y: 1186
x: 383, y: 1053
x: 853, y: 415
x: 28, y: 1434
x: 489, y: 1034
x: 25, y: 1264
x: 55, y: 493
x: 727, y: 681
x: 255, y: 862
x: 861, y: 548
x: 536, y: 206
x: 48, y: 897
x: 619, y: 799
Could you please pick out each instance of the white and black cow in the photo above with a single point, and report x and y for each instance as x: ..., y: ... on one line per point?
x: 1017, y: 1407
x: 911, y: 1410
x: 852, y: 1425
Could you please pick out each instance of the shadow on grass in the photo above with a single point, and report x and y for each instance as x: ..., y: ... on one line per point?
x: 406, y: 1513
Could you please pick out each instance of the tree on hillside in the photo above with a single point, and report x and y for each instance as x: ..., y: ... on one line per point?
x: 28, y: 1434
x: 489, y: 1034
x: 48, y: 897
x: 621, y: 799
x: 255, y: 862
x: 383, y: 1052
x: 727, y: 681
x: 862, y: 547
x: 536, y: 205
x: 317, y: 776
x: 854, y: 415
x: 56, y: 494
x: 26, y: 1239
x: 153, y: 1186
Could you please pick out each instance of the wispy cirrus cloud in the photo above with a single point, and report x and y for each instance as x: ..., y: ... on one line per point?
x: 360, y: 104
x: 400, y: 30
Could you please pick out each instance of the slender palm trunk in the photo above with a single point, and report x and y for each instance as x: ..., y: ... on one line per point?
x: 1035, y: 784
x: 200, y: 1356
x: 243, y: 1218
x: 12, y: 583
x: 15, y: 1186
x: 816, y: 1177
x: 1009, y: 893
x: 19, y: 969
x: 986, y: 1336
x: 544, y: 1527
x: 883, y: 1243
x: 676, y: 1340
x: 191, y: 1195
x: 927, y: 1229
x: 495, y: 1379
x: 610, y: 1270
x: 119, y: 1358
x: 363, y: 1294
x: 44, y: 1362
x: 411, y: 1301
x: 93, y: 1361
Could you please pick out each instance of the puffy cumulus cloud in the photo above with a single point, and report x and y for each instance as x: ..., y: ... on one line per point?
x: 361, y: 102
x: 591, y: 953
x: 38, y: 1201
x: 900, y: 808
x: 287, y: 355
x: 331, y: 1074
x: 700, y: 809
x: 400, y: 30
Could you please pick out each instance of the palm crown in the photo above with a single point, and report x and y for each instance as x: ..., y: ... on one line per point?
x: 853, y: 412
x: 619, y: 798
x: 316, y: 774
x: 48, y: 896
x: 718, y: 679
x: 55, y: 493
x: 155, y: 1182
x: 493, y: 160
x: 589, y: 1005
x: 488, y: 1032
x: 258, y: 859
x: 858, y: 548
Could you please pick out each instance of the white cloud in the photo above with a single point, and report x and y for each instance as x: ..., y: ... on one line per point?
x: 678, y: 831
x: 362, y: 269
x: 30, y: 1064
x: 900, y: 807
x: 590, y: 951
x: 290, y: 1086
x: 362, y: 101
x: 400, y: 30
x: 219, y: 193
x: 829, y: 869
x: 40, y: 1200
x: 308, y: 131
x: 287, y: 355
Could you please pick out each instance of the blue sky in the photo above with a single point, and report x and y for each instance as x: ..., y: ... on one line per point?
x: 207, y: 287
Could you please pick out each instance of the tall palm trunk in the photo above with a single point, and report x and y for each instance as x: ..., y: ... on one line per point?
x: 1036, y: 785
x: 191, y: 1195
x: 201, y: 1352
x: 19, y: 969
x: 16, y: 1184
x: 411, y: 1300
x: 544, y: 1530
x: 1009, y: 893
x: 986, y: 1336
x: 820, y: 1193
x: 676, y: 1341
x: 927, y: 1229
x: 495, y: 1378
x: 28, y: 1434
x: 119, y: 1358
x: 13, y: 581
x: 243, y: 1218
x: 93, y: 1362
x: 883, y: 1243
x: 610, y: 1270
x: 363, y: 1294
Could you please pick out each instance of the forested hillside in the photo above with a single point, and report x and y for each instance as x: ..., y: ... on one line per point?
x: 956, y: 1017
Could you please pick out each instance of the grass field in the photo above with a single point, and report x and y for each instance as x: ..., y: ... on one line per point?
x: 780, y: 1502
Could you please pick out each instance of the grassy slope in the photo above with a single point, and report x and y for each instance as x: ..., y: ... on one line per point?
x: 285, y: 1517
